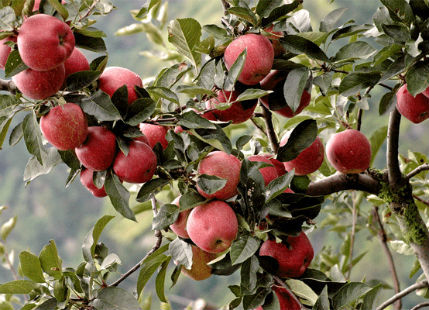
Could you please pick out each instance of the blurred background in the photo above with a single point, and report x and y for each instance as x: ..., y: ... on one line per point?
x: 47, y: 210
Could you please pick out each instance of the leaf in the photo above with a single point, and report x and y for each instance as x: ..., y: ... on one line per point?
x: 328, y: 23
x: 210, y: 184
x: 31, y: 267
x: 322, y: 303
x: 248, y: 275
x: 191, y: 120
x: 377, y: 139
x: 151, y: 187
x: 301, y: 137
x: 302, y: 290
x: 33, y: 136
x: 417, y: 78
x: 235, y: 70
x: 163, y: 92
x: 16, y: 135
x: 7, y: 18
x: 7, y: 227
x: 398, y: 33
x: 252, y: 93
x: 349, y: 293
x: 14, y: 64
x: 185, y: 35
x: 166, y: 216
x: 181, y: 252
x: 264, y: 7
x: 119, y: 196
x: 356, y: 81
x: 401, y: 247
x: 17, y: 287
x: 244, y: 13
x: 34, y: 169
x: 91, y: 239
x: 294, y: 87
x: 279, y: 12
x: 355, y: 50
x: 140, y: 110
x: 81, y: 79
x: 101, y: 106
x: 278, y: 186
x: 160, y: 281
x: 401, y: 9
x: 4, y: 127
x: 59, y: 8
x: 190, y: 199
x: 386, y: 102
x: 192, y: 90
x: 115, y: 298
x: 243, y: 248
x: 89, y: 43
x: 50, y: 261
x: 298, y: 45
x: 370, y: 299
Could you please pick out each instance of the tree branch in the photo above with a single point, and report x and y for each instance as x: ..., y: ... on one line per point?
x: 416, y: 171
x: 8, y: 85
x: 271, y: 133
x: 419, y: 306
x: 403, y: 293
x: 394, y: 173
x: 421, y: 200
x: 225, y: 5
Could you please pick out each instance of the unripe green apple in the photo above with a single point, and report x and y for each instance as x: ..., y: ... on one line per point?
x: 76, y: 62
x: 154, y: 134
x: 212, y: 226
x: 179, y: 226
x: 268, y: 173
x: 415, y: 109
x: 5, y: 50
x: 349, y: 151
x: 86, y: 178
x: 199, y: 270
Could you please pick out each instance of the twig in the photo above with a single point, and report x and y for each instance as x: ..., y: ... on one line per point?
x: 9, y: 263
x: 421, y: 200
x: 225, y: 5
x: 257, y: 126
x: 383, y: 239
x: 284, y: 286
x: 416, y: 171
x: 385, y: 86
x: 403, y: 293
x: 158, y: 236
x: 89, y: 10
x: 270, y: 129
x: 419, y: 306
x: 359, y: 120
x: 8, y: 85
x: 394, y: 172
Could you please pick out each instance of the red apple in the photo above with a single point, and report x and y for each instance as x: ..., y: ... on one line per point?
x: 238, y: 112
x: 138, y: 166
x: 154, y: 134
x: 39, y: 84
x: 415, y: 109
x: 259, y: 59
x: 5, y: 50
x: 286, y: 300
x: 224, y: 166
x: 114, y: 78
x: 274, y: 38
x: 142, y: 139
x: 86, y: 178
x: 76, y: 62
x: 293, y: 256
x: 276, y: 101
x: 268, y: 173
x: 45, y: 42
x: 65, y: 126
x: 349, y: 151
x: 280, y: 168
x: 199, y: 270
x: 309, y: 160
x: 212, y: 226
x: 99, y: 149
x: 179, y: 226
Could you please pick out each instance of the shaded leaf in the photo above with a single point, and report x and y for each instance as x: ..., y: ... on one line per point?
x: 115, y: 298
x: 299, y: 45
x: 166, y: 216
x: 243, y: 248
x: 210, y: 184
x: 181, y: 252
x: 119, y: 196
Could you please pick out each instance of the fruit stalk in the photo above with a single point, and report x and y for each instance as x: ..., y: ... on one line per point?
x: 8, y: 85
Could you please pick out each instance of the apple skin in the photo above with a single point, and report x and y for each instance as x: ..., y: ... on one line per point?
x: 309, y: 160
x: 293, y: 257
x: 274, y: 38
x: 113, y: 78
x: 259, y: 60
x: 179, y: 226
x: 349, y: 151
x: 99, y: 149
x: 45, y: 42
x: 415, y: 109
x: 154, y: 134
x: 275, y: 81
x: 280, y: 168
x: 199, y: 270
x: 138, y: 166
x: 142, y: 139
x: 86, y: 178
x: 224, y: 166
x: 5, y: 50
x: 65, y: 126
x: 76, y: 62
x: 239, y: 112
x: 286, y: 300
x: 212, y: 226
x: 268, y: 173
x: 39, y: 84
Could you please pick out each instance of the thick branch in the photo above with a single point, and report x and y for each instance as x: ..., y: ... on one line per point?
x: 394, y: 172
x: 270, y: 129
x: 416, y: 171
x: 403, y: 293
x: 8, y: 85
x: 419, y: 306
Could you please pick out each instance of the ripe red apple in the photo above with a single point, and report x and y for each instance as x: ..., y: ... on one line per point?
x: 45, y: 42
x: 212, y: 226
x: 113, y: 78
x: 154, y: 134
x: 86, y: 178
x: 238, y: 112
x: 99, y: 149
x: 199, y: 270
x: 224, y: 166
x: 286, y: 300
x: 5, y: 50
x: 179, y: 226
x: 274, y: 38
x: 138, y: 166
x: 276, y: 101
x: 280, y: 168
x: 65, y: 126
x: 415, y: 109
x: 259, y: 59
x: 39, y: 84
x: 349, y: 151
x: 268, y: 173
x: 142, y: 139
x: 76, y: 62
x: 309, y: 160
x: 294, y: 255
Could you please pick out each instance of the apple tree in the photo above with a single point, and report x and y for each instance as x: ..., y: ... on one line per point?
x: 254, y: 125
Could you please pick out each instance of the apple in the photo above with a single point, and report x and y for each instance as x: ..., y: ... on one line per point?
x: 415, y: 109
x: 86, y: 178
x: 99, y: 149
x: 349, y: 151
x: 286, y: 300
x: 76, y: 62
x: 114, y: 78
x: 259, y: 59
x: 280, y: 168
x: 238, y: 112
x: 275, y: 101
x: 212, y: 226
x: 39, y: 84
x: 222, y: 165
x: 138, y: 166
x: 268, y: 173
x: 293, y: 255
x: 179, y: 226
x: 65, y: 126
x: 5, y: 50
x: 154, y: 134
x: 45, y: 42
x: 199, y: 270
x: 274, y: 38
x: 143, y: 139
x: 308, y: 161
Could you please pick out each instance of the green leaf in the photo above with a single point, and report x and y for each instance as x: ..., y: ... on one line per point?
x: 192, y: 90
x: 140, y: 110
x: 17, y: 287
x: 81, y: 79
x: 322, y: 303
x: 386, y: 102
x: 31, y: 267
x: 370, y: 299
x: 33, y: 136
x: 99, y: 63
x: 16, y: 135
x: 398, y: 33
x: 417, y: 78
x: 377, y: 139
x: 253, y: 300
x: 7, y: 18
x: 349, y: 293
x: 242, y: 141
x: 264, y: 7
x: 329, y: 22
x: 59, y: 8
x: 4, y: 127
x: 210, y: 184
x: 244, y: 13
x: 130, y: 29
x: 215, y: 137
x: 115, y: 298
x: 191, y: 120
x: 279, y: 12
x: 243, y: 248
x: 355, y: 50
x: 50, y: 261
x: 160, y: 281
x: 89, y: 43
x: 91, y: 32
x: 34, y: 169
x: 235, y: 70
x: 278, y: 186
x: 151, y: 187
x: 101, y: 106
x: 163, y: 92
x: 190, y: 199
x: 248, y: 275
x: 301, y: 137
x: 294, y: 87
x: 356, y: 81
x: 166, y: 216
x: 91, y: 239
x: 7, y: 227
x: 298, y: 45
x: 49, y: 304
x: 252, y: 93
x: 181, y: 252
x: 401, y: 9
x: 185, y: 35
x: 302, y: 290
x: 119, y: 196
x: 149, y: 266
